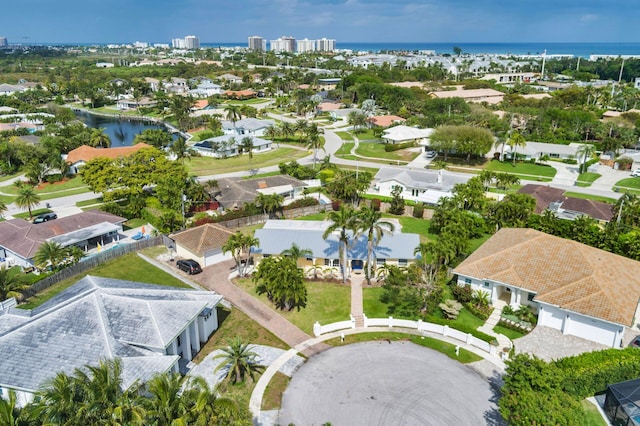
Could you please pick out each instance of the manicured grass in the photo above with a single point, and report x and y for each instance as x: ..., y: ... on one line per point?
x: 443, y: 347
x: 365, y: 135
x: 371, y: 304
x: 345, y: 149
x: 90, y: 202
x: 4, y: 178
x: 326, y: 303
x: 592, y: 416
x: 34, y: 213
x: 134, y: 223
x: 511, y: 334
x: 58, y: 194
x: 586, y: 179
x: 5, y: 198
x: 129, y: 267
x: 376, y: 150
x: 412, y: 225
x: 633, y: 183
x: 523, y: 170
x: 274, y: 173
x: 590, y: 197
x: 49, y: 188
x: 251, y: 101
x: 272, y: 398
x: 345, y: 136
x: 317, y: 216
x: 201, y: 166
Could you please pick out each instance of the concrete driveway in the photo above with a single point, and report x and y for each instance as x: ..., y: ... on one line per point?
x: 381, y: 383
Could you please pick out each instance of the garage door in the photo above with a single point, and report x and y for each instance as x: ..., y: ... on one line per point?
x: 591, y: 329
x: 215, y: 257
x: 552, y: 317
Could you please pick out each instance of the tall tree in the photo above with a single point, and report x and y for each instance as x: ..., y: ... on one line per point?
x: 369, y: 222
x: 239, y: 245
x: 296, y: 252
x: 282, y: 281
x: 239, y: 360
x: 246, y: 145
x: 99, y: 138
x: 181, y: 150
x: 27, y: 199
x: 10, y: 283
x: 50, y: 253
x: 232, y: 113
x: 515, y: 141
x: 343, y: 221
x: 585, y: 151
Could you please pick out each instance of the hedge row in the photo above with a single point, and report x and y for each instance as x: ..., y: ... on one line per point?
x: 390, y: 147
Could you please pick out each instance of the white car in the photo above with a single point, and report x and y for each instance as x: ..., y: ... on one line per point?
x: 431, y: 154
x: 635, y: 173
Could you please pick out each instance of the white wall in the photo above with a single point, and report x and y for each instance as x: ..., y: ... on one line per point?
x: 581, y: 326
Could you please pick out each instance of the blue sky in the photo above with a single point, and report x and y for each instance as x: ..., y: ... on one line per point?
x: 119, y: 21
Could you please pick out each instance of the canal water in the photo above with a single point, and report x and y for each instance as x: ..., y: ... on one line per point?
x: 121, y: 131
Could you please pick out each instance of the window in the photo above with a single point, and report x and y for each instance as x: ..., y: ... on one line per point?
x: 381, y: 261
x: 309, y: 258
x: 530, y: 297
x: 327, y: 262
x: 487, y: 284
x: 336, y: 262
x: 179, y: 340
x: 402, y: 262
x: 467, y: 280
x: 415, y: 192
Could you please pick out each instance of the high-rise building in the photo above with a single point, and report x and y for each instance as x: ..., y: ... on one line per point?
x: 306, y: 45
x: 325, y: 45
x: 178, y: 43
x: 257, y: 43
x: 3, y: 42
x: 192, y: 42
x: 283, y: 44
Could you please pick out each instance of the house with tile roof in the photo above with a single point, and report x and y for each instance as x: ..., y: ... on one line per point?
x: 423, y: 186
x: 279, y: 235
x: 21, y: 239
x: 385, y: 120
x: 247, y: 127
x: 577, y: 289
x: 404, y: 134
x: 229, y: 146
x: 553, y: 199
x: 234, y: 192
x: 491, y: 96
x: 152, y: 329
x: 80, y: 156
x: 202, y: 243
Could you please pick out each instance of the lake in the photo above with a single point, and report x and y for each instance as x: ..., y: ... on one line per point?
x: 121, y: 131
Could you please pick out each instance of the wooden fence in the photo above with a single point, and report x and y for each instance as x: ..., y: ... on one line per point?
x: 91, y: 262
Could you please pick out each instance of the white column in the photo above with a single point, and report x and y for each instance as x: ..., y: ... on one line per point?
x: 173, y: 350
x: 186, y: 345
x: 566, y: 324
x: 196, y: 335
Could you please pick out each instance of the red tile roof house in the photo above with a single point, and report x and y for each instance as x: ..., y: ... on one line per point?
x: 202, y: 243
x: 579, y: 290
x: 83, y: 154
x: 385, y: 120
x: 21, y: 239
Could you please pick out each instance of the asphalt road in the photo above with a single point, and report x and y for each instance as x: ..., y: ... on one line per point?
x: 381, y: 383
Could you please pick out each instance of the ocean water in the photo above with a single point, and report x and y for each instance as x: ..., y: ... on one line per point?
x: 575, y: 49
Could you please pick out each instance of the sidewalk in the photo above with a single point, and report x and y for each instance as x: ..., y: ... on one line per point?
x: 492, y: 321
x: 357, y: 309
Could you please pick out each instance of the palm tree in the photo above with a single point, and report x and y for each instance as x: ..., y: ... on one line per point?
x: 314, y: 141
x: 164, y: 405
x: 246, y: 144
x: 301, y: 127
x: 343, y: 220
x: 99, y: 138
x: 585, y: 150
x: 27, y: 199
x: 207, y: 408
x: 296, y: 252
x: 516, y: 140
x: 10, y: 283
x: 239, y: 359
x: 487, y: 177
x: 50, y: 252
x: 269, y: 202
x: 3, y: 208
x: 287, y: 130
x: 75, y: 253
x: 239, y: 245
x: 181, y: 150
x: 370, y: 221
x: 10, y: 412
x: 233, y: 114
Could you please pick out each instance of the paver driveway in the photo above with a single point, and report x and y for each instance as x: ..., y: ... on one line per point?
x: 381, y: 383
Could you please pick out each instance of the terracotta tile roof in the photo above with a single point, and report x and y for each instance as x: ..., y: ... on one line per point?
x: 385, y: 120
x: 562, y: 272
x: 595, y: 209
x: 329, y: 106
x: 543, y: 194
x: 24, y: 238
x: 87, y: 153
x: 240, y: 93
x: 203, y: 103
x: 202, y: 238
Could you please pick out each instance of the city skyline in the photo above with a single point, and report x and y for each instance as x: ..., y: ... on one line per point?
x: 69, y: 21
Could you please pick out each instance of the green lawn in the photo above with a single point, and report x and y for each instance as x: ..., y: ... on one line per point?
x: 345, y: 149
x: 60, y: 189
x: 25, y: 215
x: 590, y: 197
x: 252, y: 101
x: 345, y: 136
x: 633, y: 183
x: 5, y: 198
x: 376, y: 150
x: 592, y: 416
x: 446, y: 348
x: 586, y: 179
x: 7, y: 177
x: 90, y: 202
x: 365, y: 135
x: 523, y: 170
x: 129, y: 267
x: 371, y: 304
x: 326, y: 303
x: 511, y: 334
x: 201, y: 166
x: 274, y: 173
x: 317, y: 216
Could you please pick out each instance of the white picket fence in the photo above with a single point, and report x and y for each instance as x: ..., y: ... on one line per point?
x: 419, y: 325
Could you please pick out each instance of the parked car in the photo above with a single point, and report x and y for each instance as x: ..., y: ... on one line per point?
x: 635, y: 343
x: 45, y: 217
x: 635, y: 173
x: 189, y: 266
x: 431, y: 154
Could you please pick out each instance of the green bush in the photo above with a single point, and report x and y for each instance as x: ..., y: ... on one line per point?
x: 302, y: 202
x: 570, y: 161
x: 482, y: 312
x: 398, y: 146
x: 463, y: 293
x: 418, y: 211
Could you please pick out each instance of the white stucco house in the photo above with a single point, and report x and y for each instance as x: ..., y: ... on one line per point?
x: 229, y: 146
x: 152, y: 329
x: 537, y: 150
x: 206, y: 89
x: 403, y: 134
x: 426, y: 186
x: 202, y: 243
x: 577, y: 289
x: 247, y: 127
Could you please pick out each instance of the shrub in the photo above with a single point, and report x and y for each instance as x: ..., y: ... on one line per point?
x: 375, y: 204
x: 482, y: 312
x: 302, y: 202
x: 508, y: 310
x: 462, y: 293
x: 418, y: 211
x: 570, y: 161
x: 398, y: 146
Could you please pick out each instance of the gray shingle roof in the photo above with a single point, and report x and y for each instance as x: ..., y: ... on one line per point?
x: 421, y: 179
x: 94, y: 319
